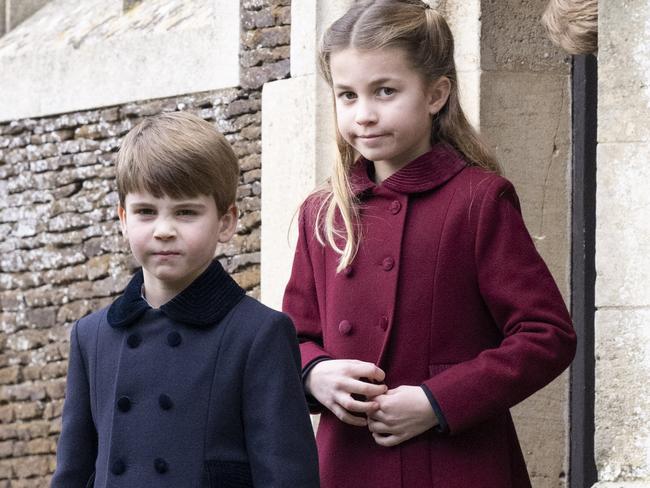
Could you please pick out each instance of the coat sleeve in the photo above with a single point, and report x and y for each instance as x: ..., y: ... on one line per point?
x: 300, y: 300
x: 279, y: 437
x: 538, y: 338
x: 77, y: 447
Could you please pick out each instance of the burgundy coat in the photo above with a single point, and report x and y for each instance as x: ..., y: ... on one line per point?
x: 447, y: 291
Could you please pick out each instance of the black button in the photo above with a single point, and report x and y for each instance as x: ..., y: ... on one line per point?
x: 118, y: 467
x: 134, y: 340
x: 160, y: 465
x: 174, y: 339
x: 348, y: 271
x: 165, y: 402
x: 124, y: 404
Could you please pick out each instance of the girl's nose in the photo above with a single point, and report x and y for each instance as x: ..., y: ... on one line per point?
x: 365, y: 113
x: 164, y: 230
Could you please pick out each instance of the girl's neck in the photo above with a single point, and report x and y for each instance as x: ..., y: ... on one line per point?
x: 386, y: 169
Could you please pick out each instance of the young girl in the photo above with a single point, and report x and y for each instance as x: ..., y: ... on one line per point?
x: 423, y: 310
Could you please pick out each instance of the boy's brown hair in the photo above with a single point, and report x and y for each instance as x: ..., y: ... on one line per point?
x: 179, y: 155
x: 573, y: 25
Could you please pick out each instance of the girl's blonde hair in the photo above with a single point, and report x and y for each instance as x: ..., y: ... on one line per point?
x: 573, y: 25
x: 423, y: 34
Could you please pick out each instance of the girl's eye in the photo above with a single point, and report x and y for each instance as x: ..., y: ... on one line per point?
x: 385, y: 91
x: 347, y: 95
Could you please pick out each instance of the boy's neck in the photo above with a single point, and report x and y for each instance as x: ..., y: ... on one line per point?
x: 158, y: 292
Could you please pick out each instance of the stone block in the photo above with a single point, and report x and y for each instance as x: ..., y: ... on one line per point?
x: 20, y: 10
x: 526, y: 117
x: 309, y: 22
x: 622, y: 225
x: 622, y: 407
x: 513, y: 38
x: 624, y: 72
x: 3, y: 19
x: 298, y: 150
x: 89, y: 68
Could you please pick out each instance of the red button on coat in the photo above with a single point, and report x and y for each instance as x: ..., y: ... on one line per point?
x: 345, y: 327
x: 388, y: 264
x: 395, y: 207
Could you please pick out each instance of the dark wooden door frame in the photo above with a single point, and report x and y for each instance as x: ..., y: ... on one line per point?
x: 583, y: 472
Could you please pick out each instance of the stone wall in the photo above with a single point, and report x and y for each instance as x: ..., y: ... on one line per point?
x: 622, y: 321
x: 61, y: 252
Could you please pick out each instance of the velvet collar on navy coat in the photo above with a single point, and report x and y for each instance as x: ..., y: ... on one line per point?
x: 424, y: 173
x: 203, y: 303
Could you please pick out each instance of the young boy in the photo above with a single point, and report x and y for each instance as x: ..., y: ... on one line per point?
x: 183, y: 381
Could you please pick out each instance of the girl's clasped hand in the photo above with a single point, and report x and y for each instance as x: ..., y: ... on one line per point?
x: 354, y: 392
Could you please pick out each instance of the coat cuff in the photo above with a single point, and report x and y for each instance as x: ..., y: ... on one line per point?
x: 442, y: 427
x: 314, y: 405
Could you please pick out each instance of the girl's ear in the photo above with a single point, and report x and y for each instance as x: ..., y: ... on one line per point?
x: 228, y: 223
x: 121, y: 213
x: 438, y: 94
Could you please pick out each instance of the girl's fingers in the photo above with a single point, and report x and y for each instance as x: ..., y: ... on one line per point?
x: 368, y: 389
x: 362, y: 369
x: 387, y: 440
x: 359, y: 406
x: 347, y: 417
x: 379, y: 427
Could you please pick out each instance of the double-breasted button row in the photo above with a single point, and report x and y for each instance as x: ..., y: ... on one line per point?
x: 119, y: 466
x: 124, y: 403
x: 174, y: 339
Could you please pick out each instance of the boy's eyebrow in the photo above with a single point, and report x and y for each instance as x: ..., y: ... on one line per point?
x: 186, y: 203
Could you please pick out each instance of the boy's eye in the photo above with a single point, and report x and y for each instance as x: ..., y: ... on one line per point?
x: 145, y: 211
x: 186, y: 212
x: 386, y: 91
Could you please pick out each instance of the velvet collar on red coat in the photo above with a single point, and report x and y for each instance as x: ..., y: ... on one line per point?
x: 424, y: 173
x: 203, y: 303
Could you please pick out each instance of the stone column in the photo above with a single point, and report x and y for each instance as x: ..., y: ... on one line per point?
x: 297, y: 141
x: 622, y: 323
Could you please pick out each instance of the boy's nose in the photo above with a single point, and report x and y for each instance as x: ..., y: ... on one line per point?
x: 164, y: 230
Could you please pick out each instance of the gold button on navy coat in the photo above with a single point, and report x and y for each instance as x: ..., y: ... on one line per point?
x: 203, y: 392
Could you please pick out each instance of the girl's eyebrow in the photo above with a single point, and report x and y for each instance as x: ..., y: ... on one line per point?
x: 378, y: 81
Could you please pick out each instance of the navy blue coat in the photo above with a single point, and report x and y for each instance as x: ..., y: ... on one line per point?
x: 203, y: 392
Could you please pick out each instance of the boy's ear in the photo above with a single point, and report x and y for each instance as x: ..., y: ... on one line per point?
x: 438, y: 94
x: 121, y: 213
x: 228, y: 224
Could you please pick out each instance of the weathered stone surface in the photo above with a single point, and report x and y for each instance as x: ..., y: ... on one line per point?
x: 622, y: 225
x: 62, y: 255
x: 622, y: 402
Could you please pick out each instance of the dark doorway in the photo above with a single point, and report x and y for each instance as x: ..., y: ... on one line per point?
x: 583, y: 269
